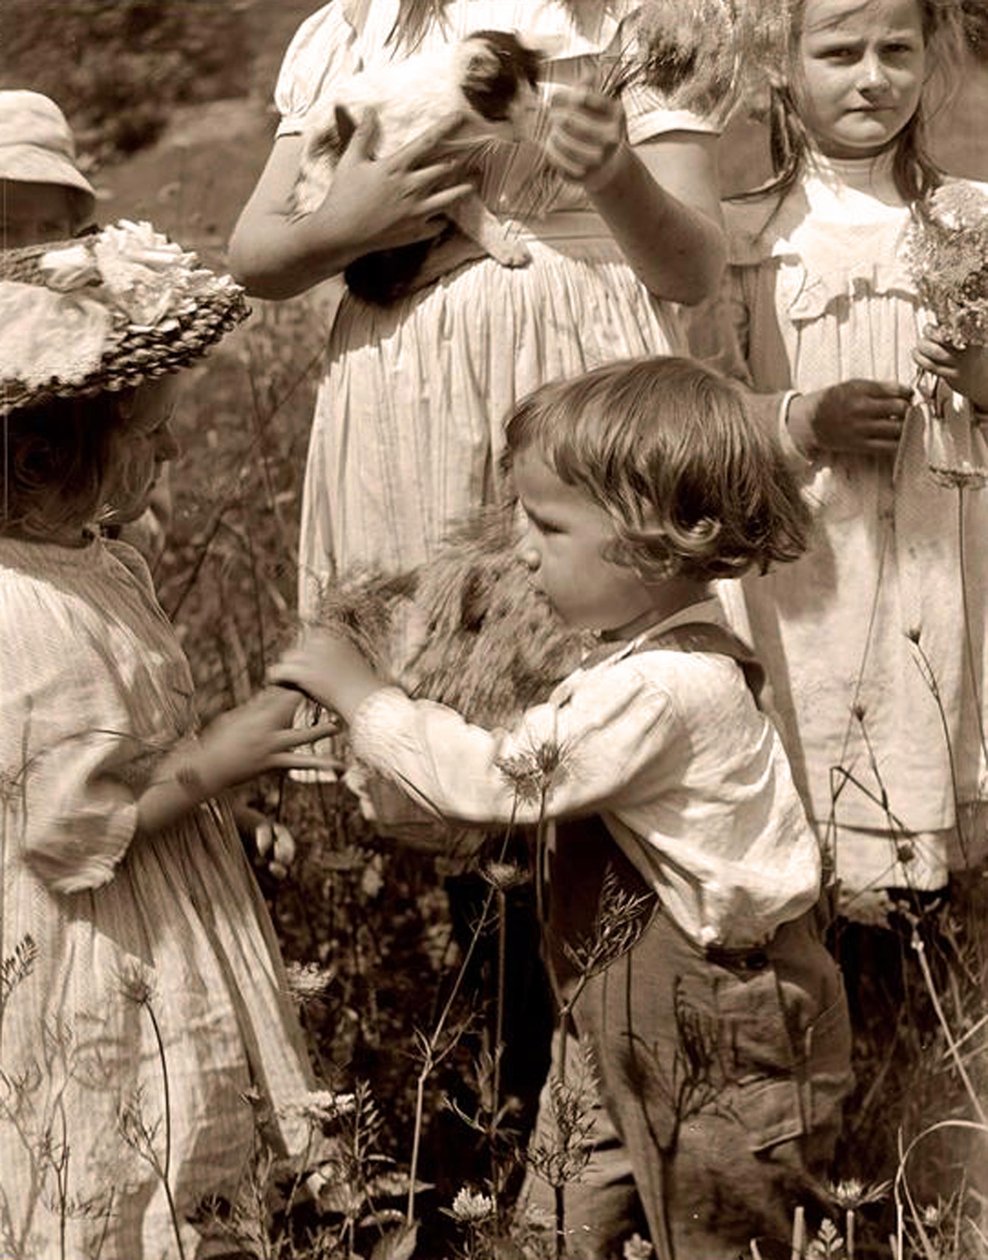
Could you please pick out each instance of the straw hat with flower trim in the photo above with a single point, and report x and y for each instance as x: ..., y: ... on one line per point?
x: 105, y: 312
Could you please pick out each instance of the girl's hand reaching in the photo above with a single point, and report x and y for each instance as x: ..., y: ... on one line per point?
x: 586, y: 135
x: 384, y: 203
x: 327, y: 667
x: 250, y: 739
x: 965, y: 371
x: 854, y: 417
x: 240, y: 744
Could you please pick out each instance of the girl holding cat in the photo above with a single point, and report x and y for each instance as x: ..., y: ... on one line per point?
x: 406, y: 436
x: 407, y: 431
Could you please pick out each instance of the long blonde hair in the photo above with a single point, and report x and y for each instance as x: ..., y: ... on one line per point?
x: 914, y: 171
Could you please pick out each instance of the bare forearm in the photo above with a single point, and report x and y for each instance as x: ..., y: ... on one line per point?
x: 677, y: 251
x: 289, y: 256
x: 177, y: 788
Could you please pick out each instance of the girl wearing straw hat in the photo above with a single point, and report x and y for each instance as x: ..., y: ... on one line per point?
x: 143, y: 996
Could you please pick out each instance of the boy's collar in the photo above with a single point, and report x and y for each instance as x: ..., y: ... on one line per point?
x: 602, y: 648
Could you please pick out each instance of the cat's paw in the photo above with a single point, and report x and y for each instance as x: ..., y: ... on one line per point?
x: 513, y: 254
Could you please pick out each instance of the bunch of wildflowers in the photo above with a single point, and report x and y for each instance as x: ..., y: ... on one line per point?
x: 946, y: 251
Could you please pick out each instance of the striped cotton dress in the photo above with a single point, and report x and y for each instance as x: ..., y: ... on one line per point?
x: 130, y: 967
x: 407, y: 428
x: 875, y: 641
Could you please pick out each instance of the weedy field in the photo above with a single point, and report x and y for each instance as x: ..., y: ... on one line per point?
x: 403, y: 1005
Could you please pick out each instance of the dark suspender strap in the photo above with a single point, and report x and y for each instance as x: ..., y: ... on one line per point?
x: 708, y: 636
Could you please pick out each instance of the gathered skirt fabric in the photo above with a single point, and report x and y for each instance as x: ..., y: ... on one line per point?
x: 410, y: 413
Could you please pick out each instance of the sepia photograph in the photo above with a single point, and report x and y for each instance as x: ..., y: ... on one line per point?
x: 494, y: 630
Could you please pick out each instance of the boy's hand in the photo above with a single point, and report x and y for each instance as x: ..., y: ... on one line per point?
x: 855, y: 417
x: 326, y: 666
x: 586, y: 135
x: 965, y: 371
x: 248, y: 740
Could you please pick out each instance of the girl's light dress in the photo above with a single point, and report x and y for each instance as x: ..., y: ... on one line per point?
x: 110, y: 943
x: 876, y: 682
x: 408, y: 419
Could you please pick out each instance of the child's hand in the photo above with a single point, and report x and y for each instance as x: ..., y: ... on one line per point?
x: 586, y: 135
x: 853, y: 417
x: 965, y: 371
x: 272, y: 840
x: 327, y: 667
x: 393, y: 201
x: 255, y: 737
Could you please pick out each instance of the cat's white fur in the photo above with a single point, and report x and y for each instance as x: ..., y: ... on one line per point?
x: 408, y: 97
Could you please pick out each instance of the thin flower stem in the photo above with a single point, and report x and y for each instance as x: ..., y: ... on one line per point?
x: 920, y: 948
x: 413, y: 1165
x: 502, y: 958
x: 430, y: 1058
x: 930, y: 679
x: 968, y: 646
x: 166, y: 1163
x: 798, y: 1233
x: 540, y: 844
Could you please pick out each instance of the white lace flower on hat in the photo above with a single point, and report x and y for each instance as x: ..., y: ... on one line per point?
x: 146, y: 279
x: 107, y: 311
x: 68, y: 268
x: 150, y: 277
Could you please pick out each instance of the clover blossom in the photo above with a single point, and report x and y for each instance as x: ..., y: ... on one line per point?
x: 472, y: 1208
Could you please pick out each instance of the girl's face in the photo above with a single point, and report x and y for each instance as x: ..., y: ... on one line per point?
x: 859, y: 73
x: 141, y: 450
x: 564, y: 547
x: 33, y: 214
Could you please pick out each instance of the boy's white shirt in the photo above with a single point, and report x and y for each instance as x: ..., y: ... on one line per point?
x: 667, y: 746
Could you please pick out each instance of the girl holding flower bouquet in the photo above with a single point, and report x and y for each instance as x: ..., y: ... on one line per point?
x: 143, y: 1003
x: 875, y: 640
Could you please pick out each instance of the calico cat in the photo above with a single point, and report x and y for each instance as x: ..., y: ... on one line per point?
x: 490, y: 77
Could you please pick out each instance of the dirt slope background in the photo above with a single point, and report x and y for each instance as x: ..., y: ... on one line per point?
x: 171, y: 100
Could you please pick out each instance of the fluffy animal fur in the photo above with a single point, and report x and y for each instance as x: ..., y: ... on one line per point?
x: 491, y: 77
x: 467, y: 630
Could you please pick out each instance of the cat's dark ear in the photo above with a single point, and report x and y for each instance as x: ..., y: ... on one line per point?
x: 345, y: 126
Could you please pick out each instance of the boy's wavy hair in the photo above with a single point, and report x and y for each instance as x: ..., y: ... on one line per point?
x: 669, y: 450
x: 915, y: 173
x: 56, y: 460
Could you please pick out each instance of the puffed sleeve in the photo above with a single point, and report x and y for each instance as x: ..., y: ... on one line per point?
x: 323, y: 48
x: 66, y: 746
x: 595, y: 745
x: 648, y: 115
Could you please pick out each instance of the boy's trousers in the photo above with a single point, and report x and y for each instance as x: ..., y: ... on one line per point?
x: 719, y: 1074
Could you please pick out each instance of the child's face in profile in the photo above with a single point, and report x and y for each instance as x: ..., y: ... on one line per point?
x: 141, y: 451
x: 564, y: 546
x: 34, y: 214
x: 860, y: 72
